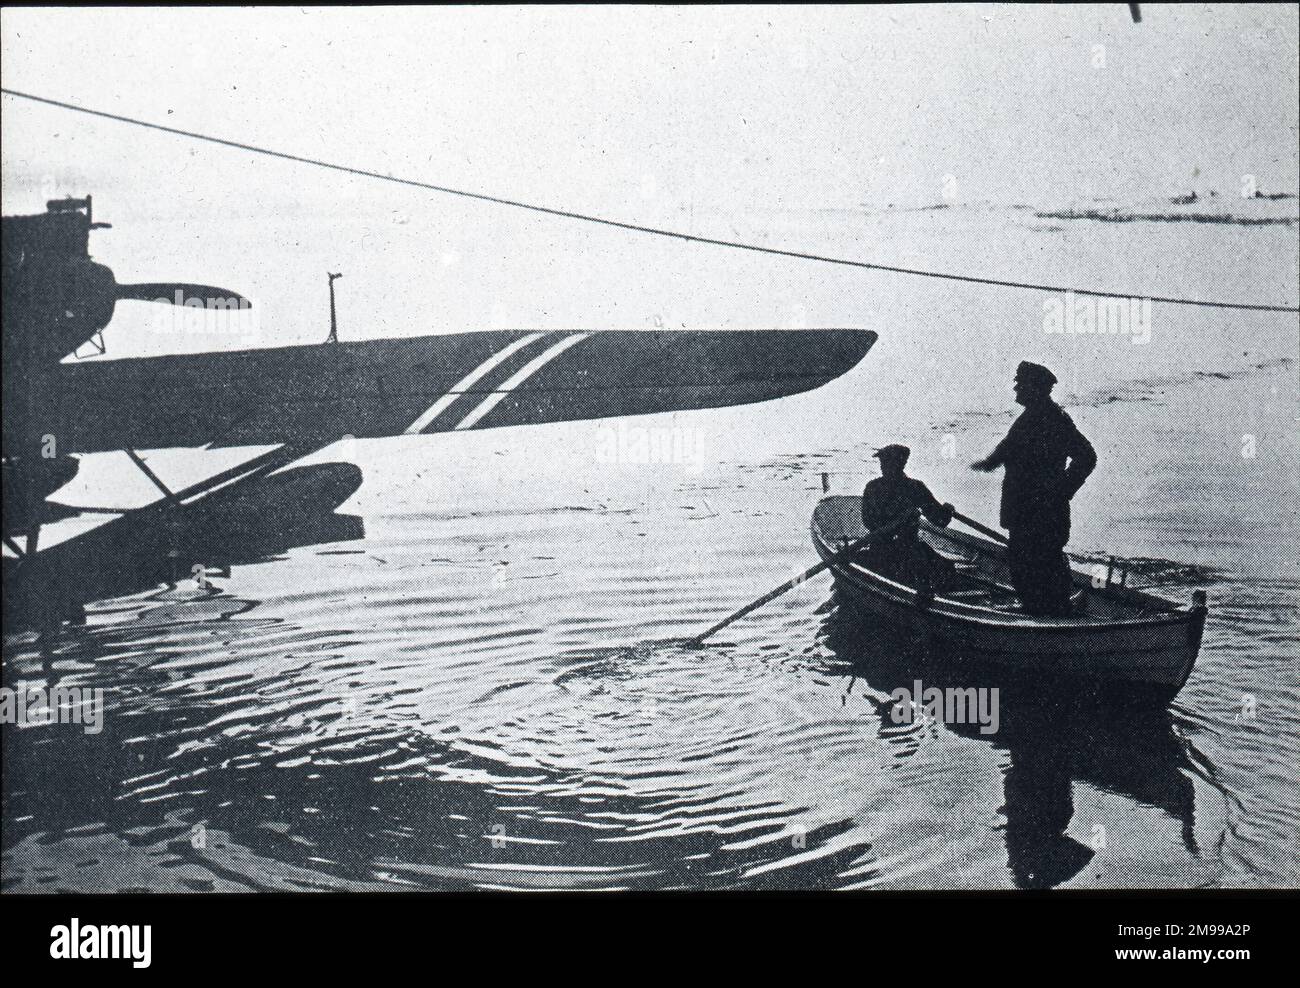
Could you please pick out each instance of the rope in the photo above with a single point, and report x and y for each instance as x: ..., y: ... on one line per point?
x: 617, y: 224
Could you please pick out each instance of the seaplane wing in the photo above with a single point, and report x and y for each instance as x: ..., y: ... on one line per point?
x: 300, y: 399
x: 313, y: 395
x: 295, y: 400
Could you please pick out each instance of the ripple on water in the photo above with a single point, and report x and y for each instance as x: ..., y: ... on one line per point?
x: 509, y: 710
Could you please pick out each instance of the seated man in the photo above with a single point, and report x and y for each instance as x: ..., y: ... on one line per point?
x: 903, y: 556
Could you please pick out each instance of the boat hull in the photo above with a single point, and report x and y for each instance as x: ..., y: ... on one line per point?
x: 1149, y: 653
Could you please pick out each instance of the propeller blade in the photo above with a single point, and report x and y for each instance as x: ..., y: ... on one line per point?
x: 183, y: 293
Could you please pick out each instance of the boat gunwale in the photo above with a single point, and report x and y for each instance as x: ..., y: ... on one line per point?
x: 1015, y: 624
x: 1122, y: 595
x: 952, y: 611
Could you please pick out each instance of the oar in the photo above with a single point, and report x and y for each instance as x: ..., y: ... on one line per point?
x: 845, y: 553
x: 982, y: 529
x: 999, y: 537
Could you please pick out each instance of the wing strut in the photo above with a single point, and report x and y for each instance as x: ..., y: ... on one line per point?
x: 144, y: 468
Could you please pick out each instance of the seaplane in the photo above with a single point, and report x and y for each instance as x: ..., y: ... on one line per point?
x: 298, y: 400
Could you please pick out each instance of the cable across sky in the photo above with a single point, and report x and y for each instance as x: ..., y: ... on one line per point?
x: 636, y: 228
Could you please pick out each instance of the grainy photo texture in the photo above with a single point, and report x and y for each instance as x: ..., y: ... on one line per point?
x: 649, y: 448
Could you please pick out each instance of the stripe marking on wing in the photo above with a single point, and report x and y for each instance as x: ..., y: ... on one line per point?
x: 528, y: 370
x: 468, y: 381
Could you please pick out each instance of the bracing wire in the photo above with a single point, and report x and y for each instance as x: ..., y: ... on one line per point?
x: 636, y: 228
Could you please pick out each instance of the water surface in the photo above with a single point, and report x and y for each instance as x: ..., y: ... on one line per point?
x: 476, y: 686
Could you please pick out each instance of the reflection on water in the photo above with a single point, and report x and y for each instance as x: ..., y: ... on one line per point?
x: 311, y: 776
x: 1051, y: 736
x: 477, y: 689
x: 254, y: 519
x: 470, y: 732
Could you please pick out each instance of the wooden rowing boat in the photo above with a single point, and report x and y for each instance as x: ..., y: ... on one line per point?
x: 1118, y: 637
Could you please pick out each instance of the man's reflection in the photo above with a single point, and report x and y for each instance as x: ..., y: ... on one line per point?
x: 1054, y: 736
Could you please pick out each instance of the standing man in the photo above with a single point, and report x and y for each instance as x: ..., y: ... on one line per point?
x: 1036, y: 491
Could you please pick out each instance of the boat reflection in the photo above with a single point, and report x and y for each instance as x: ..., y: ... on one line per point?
x: 1054, y: 736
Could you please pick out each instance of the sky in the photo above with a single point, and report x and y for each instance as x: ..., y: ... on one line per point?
x: 746, y: 123
x: 795, y: 126
x: 643, y: 112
